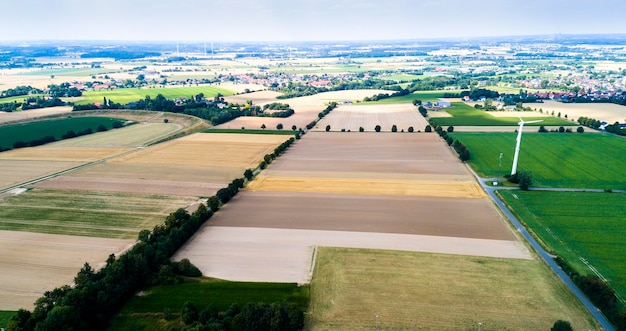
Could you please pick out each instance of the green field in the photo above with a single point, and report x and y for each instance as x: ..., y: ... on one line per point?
x: 147, y: 312
x: 5, y: 316
x: 425, y: 96
x: 465, y: 115
x: 422, y: 291
x: 126, y: 95
x: 26, y: 132
x: 578, y: 225
x: 574, y: 160
x: 86, y: 213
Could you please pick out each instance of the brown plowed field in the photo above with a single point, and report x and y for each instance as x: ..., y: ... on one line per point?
x: 449, y: 217
x: 33, y: 263
x: 62, y: 153
x: 19, y: 171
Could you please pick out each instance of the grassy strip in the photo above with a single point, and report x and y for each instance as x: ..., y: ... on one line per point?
x: 5, y: 316
x: 465, y: 115
x: 127, y: 95
x: 411, y: 291
x: 555, y: 159
x: 252, y: 131
x: 85, y: 213
x: 158, y: 308
x: 578, y: 225
x: 56, y: 128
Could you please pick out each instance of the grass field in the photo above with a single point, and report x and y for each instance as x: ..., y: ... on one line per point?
x: 147, y: 312
x: 555, y: 159
x: 419, y: 291
x: 420, y: 95
x: 36, y: 130
x: 578, y: 225
x: 86, y: 213
x: 127, y: 95
x: 464, y: 115
x: 5, y: 316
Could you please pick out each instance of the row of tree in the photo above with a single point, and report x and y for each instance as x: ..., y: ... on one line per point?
x: 19, y: 90
x: 462, y: 151
x: 97, y: 295
x: 321, y: 115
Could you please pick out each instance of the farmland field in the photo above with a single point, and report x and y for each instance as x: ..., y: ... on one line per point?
x: 56, y: 128
x: 576, y: 226
x: 86, y: 213
x: 464, y: 115
x: 215, y: 158
x: 415, y: 291
x: 127, y: 95
x: 351, y: 117
x: 420, y: 95
x: 555, y: 159
x: 607, y: 112
x: 33, y: 263
x: 148, y: 310
x: 130, y: 136
x: 33, y: 113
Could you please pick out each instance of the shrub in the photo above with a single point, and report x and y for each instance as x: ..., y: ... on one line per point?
x: 411, y: 129
x: 450, y: 128
x: 561, y: 325
x: 327, y: 128
x: 394, y: 128
x: 377, y: 128
x: 361, y: 129
x: 428, y: 129
x: 279, y: 126
x: 580, y: 129
x: 189, y: 313
x: 525, y: 180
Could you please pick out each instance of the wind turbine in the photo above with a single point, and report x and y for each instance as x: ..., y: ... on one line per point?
x: 519, y: 140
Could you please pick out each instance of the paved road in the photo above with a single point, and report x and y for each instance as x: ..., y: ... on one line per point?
x: 547, y: 258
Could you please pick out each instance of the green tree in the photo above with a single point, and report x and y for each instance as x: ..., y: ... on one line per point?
x: 450, y: 128
x: 248, y: 174
x: 525, y: 180
x: 377, y: 128
x: 428, y: 128
x: 189, y: 313
x: 411, y: 129
x: 279, y: 126
x: 294, y: 127
x: 561, y: 325
x: 263, y: 126
x: 394, y: 128
x: 580, y: 129
x: 361, y: 129
x: 327, y: 128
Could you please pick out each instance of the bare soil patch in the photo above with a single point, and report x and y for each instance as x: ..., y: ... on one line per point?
x: 353, y: 117
x: 33, y: 263
x: 470, y: 218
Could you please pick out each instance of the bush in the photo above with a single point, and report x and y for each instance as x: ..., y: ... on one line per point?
x: 561, y: 325
x: 377, y: 128
x: 189, y: 313
x: 428, y: 128
x: 279, y: 126
x: 327, y: 128
x: 525, y: 180
x: 361, y: 129
x: 450, y: 128
x: 394, y: 128
x: 580, y: 129
x: 248, y: 174
x: 411, y: 129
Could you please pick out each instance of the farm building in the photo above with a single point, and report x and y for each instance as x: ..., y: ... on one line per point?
x: 444, y: 104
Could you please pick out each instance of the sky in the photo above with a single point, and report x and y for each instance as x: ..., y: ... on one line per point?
x: 297, y: 20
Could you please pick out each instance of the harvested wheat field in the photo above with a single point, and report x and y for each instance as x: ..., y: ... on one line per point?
x: 306, y: 109
x: 33, y: 263
x: 15, y: 172
x: 352, y: 117
x: 258, y: 98
x: 606, y: 112
x: 130, y: 136
x: 199, y: 158
x: 52, y: 152
x: 33, y: 113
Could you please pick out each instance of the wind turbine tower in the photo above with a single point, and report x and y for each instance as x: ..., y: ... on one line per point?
x: 519, y: 140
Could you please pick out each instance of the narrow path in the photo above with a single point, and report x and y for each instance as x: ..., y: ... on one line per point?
x: 545, y: 256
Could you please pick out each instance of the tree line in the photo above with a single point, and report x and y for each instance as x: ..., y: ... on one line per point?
x: 98, y: 295
x: 321, y: 115
x: 461, y: 150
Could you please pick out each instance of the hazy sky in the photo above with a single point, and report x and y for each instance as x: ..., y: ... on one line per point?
x: 297, y: 20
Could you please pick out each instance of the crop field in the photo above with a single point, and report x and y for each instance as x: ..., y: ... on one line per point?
x: 418, y: 291
x: 420, y: 95
x: 365, y: 190
x: 36, y: 130
x: 555, y: 159
x: 215, y: 158
x: 607, y: 112
x: 32, y: 113
x: 578, y: 226
x: 352, y: 117
x: 464, y: 115
x: 306, y: 110
x: 130, y: 136
x: 148, y: 311
x: 18, y: 171
x: 86, y: 213
x: 33, y: 263
x: 127, y: 95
